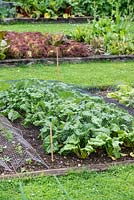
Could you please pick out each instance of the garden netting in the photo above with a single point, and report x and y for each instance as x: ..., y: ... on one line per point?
x: 15, y: 151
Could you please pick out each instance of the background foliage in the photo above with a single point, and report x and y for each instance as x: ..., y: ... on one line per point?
x: 54, y: 8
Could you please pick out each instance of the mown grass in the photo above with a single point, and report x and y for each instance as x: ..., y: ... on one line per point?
x: 65, y: 28
x: 93, y: 74
x: 116, y: 183
x: 40, y: 27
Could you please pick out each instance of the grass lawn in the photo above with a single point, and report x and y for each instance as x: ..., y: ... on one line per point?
x: 92, y: 74
x: 42, y: 27
x: 116, y: 183
x: 85, y: 74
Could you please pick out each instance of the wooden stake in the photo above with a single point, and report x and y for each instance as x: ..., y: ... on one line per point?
x: 57, y: 63
x: 51, y: 142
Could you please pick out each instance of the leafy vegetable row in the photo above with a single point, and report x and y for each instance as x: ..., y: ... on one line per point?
x: 107, y: 36
x: 124, y: 94
x: 81, y: 124
x: 38, y: 45
x: 66, y: 8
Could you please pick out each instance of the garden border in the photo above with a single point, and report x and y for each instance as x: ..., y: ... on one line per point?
x: 71, y: 20
x: 65, y: 171
x: 67, y: 59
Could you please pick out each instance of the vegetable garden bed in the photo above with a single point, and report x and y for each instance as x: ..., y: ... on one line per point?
x: 79, y: 129
x: 33, y: 47
x: 72, y: 20
x: 120, y: 149
x: 107, y: 38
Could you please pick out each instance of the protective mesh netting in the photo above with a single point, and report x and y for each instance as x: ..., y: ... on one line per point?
x: 15, y: 151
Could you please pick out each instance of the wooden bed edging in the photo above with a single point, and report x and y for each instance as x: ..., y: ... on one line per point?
x: 64, y: 171
x: 67, y: 59
x: 71, y: 20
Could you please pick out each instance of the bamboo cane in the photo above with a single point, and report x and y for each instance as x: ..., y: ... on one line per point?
x: 51, y: 142
x: 57, y: 63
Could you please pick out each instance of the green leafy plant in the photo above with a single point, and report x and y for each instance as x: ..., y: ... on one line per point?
x: 107, y: 36
x: 81, y: 124
x: 7, y: 134
x: 7, y: 12
x: 46, y: 9
x: 3, y: 46
x: 124, y: 94
x: 80, y: 33
x: 58, y: 8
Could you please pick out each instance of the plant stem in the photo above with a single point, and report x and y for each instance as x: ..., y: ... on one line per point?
x: 57, y: 63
